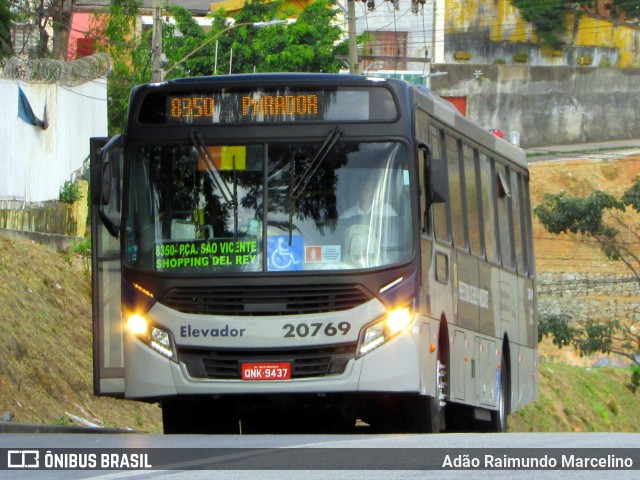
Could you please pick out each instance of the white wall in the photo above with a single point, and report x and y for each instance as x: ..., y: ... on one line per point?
x: 35, y: 163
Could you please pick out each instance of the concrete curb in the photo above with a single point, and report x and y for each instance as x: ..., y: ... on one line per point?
x: 11, y: 427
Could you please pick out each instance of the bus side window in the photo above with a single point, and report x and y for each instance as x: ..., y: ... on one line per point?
x: 518, y: 223
x: 505, y: 224
x: 439, y: 210
x: 471, y: 195
x: 455, y: 192
x: 422, y: 137
x: 426, y: 226
x: 489, y: 219
x: 528, y: 226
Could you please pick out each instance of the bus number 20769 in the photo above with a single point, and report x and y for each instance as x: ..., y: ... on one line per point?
x: 314, y: 329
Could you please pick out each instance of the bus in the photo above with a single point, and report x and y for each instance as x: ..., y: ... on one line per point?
x: 311, y: 249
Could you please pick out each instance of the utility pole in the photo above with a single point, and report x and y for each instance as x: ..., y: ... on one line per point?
x: 354, y: 64
x: 156, y: 43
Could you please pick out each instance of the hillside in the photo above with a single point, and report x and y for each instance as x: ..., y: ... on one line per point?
x: 46, y: 343
x: 569, y: 253
x: 45, y: 331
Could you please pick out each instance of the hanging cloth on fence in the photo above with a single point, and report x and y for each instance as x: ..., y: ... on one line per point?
x: 25, y: 112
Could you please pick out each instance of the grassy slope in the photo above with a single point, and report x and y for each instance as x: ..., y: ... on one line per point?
x: 46, y: 343
x: 580, y: 399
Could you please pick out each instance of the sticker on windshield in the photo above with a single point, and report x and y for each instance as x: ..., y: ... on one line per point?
x: 322, y: 254
x: 284, y: 256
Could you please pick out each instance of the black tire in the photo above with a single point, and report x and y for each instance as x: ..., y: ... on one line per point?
x: 427, y: 415
x: 499, y: 416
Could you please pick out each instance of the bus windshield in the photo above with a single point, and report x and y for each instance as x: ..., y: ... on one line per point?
x: 277, y: 207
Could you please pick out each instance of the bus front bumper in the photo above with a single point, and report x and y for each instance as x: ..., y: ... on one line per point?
x: 392, y: 367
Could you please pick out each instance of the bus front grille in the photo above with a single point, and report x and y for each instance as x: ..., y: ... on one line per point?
x: 305, y: 362
x: 265, y: 299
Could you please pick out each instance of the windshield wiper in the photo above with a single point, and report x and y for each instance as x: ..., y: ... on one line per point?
x: 321, y: 154
x: 298, y: 189
x: 223, y: 188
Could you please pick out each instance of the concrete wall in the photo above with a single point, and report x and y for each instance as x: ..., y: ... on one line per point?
x: 493, y: 30
x: 547, y: 105
x: 54, y: 218
x: 35, y: 163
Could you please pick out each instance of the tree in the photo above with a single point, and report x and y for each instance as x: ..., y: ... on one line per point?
x: 116, y: 34
x: 48, y: 15
x: 310, y: 44
x: 548, y: 16
x: 597, y: 216
x: 307, y: 45
x: 618, y: 336
x: 628, y: 8
x: 6, y: 17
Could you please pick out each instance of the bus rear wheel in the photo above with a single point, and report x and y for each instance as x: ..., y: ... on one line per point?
x: 499, y: 416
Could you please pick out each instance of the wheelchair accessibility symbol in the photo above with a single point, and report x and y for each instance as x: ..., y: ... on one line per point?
x: 284, y: 257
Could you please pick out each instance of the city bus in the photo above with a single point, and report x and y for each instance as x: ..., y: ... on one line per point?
x: 311, y: 250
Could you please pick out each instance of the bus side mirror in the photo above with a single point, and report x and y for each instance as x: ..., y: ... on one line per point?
x: 106, y: 178
x: 435, y: 177
x: 106, y: 188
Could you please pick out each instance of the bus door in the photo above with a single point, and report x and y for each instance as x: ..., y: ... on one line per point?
x: 106, y: 206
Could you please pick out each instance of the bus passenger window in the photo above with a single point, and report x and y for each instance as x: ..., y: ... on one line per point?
x: 473, y: 218
x: 439, y: 209
x: 505, y: 225
x: 528, y: 236
x: 455, y: 192
x: 518, y: 223
x: 487, y: 186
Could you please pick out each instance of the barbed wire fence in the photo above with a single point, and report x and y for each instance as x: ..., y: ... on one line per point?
x: 46, y: 70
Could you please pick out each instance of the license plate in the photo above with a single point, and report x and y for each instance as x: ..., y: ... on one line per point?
x: 266, y: 371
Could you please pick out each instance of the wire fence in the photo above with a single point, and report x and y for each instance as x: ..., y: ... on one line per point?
x: 46, y: 70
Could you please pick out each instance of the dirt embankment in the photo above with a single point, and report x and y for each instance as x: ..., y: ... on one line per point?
x: 573, y: 253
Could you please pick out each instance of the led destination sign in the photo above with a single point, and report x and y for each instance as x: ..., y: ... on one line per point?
x: 270, y: 105
x: 194, y: 108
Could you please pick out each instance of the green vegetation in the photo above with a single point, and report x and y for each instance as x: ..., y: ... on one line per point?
x: 6, y: 17
x: 580, y: 399
x: 70, y: 192
x: 598, y: 216
x: 548, y: 16
x: 310, y: 44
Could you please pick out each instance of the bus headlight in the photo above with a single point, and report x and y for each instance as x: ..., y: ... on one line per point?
x: 137, y: 325
x: 154, y: 336
x: 386, y: 328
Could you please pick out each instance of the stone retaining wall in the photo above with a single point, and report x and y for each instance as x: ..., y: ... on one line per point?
x: 584, y: 296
